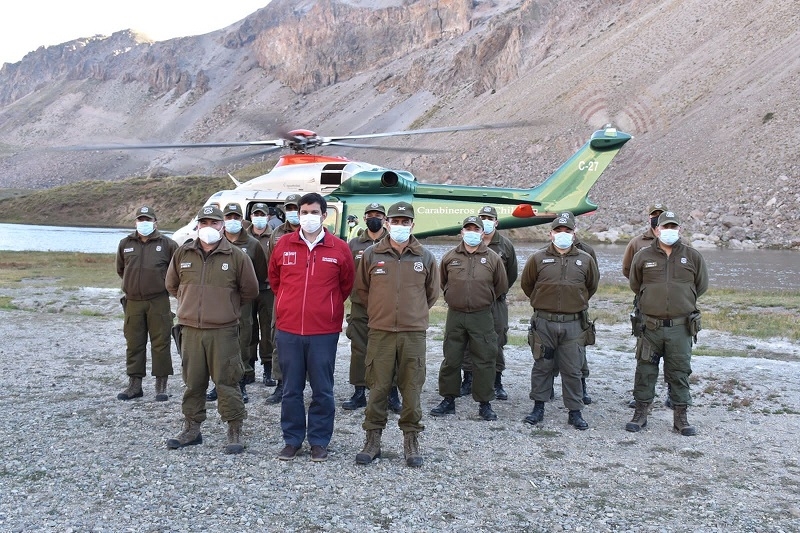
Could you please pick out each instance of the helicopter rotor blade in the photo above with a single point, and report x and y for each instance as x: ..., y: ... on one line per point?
x: 249, y: 155
x: 446, y: 129
x: 388, y: 148
x: 277, y: 143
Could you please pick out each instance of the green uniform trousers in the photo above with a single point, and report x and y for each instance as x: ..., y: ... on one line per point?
x: 261, y: 341
x: 674, y: 344
x: 245, y: 334
x: 357, y: 331
x: 212, y: 353
x: 389, y: 352
x: 476, y: 332
x: 276, y: 364
x: 143, y: 317
x: 500, y: 317
x: 564, y: 350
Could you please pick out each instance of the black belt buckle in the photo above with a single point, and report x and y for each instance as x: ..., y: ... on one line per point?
x: 667, y: 323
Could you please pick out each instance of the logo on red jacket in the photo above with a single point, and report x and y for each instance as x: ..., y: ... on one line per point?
x: 289, y: 258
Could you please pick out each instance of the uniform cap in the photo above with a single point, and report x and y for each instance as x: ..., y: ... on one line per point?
x: 211, y: 212
x: 145, y: 211
x: 472, y: 220
x: 656, y: 207
x: 352, y: 217
x: 233, y: 208
x: 565, y: 219
x: 375, y: 206
x: 668, y: 217
x: 260, y: 207
x: 488, y: 210
x: 401, y: 209
x: 292, y: 199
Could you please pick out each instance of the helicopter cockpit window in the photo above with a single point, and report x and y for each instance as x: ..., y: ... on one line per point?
x: 331, y: 174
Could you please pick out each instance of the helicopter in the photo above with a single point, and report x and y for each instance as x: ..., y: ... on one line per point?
x: 349, y: 186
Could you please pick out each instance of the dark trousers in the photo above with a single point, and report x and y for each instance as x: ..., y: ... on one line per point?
x: 476, y: 331
x: 143, y: 317
x: 315, y: 356
x: 500, y: 317
x: 566, y: 339
x: 357, y: 331
x: 674, y: 344
x: 261, y: 341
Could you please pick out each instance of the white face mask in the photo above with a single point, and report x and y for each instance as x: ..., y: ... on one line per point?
x: 145, y: 227
x: 310, y: 223
x: 209, y: 235
x: 563, y: 240
x: 260, y: 222
x: 293, y: 218
x: 399, y: 233
x: 233, y: 226
x: 472, y: 238
x: 668, y: 236
x: 488, y: 226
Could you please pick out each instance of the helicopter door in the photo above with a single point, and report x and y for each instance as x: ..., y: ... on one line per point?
x: 333, y: 222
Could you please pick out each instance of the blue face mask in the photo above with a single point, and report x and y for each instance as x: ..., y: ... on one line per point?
x: 260, y: 222
x: 400, y: 233
x: 145, y: 227
x: 488, y: 226
x: 293, y: 218
x: 233, y: 226
x: 472, y: 238
x: 668, y: 236
x: 563, y: 240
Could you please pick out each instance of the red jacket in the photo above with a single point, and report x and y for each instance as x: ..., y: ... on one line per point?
x: 310, y: 285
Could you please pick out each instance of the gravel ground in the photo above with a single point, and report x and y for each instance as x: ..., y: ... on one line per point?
x: 76, y: 459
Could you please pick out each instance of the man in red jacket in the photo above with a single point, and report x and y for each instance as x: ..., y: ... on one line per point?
x: 311, y: 272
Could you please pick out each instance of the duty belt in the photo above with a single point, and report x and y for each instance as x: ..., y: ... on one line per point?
x: 666, y: 322
x: 557, y: 317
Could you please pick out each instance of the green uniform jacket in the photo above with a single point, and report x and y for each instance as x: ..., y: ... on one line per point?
x: 250, y: 245
x: 357, y: 246
x: 668, y: 287
x: 143, y: 265
x: 560, y: 283
x: 637, y: 243
x: 263, y: 240
x: 503, y: 247
x: 398, y: 289
x: 211, y: 289
x: 472, y: 281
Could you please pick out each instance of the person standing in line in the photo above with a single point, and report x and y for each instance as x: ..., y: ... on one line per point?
x: 142, y: 261
x: 668, y: 276
x: 353, y: 229
x: 273, y: 220
x: 559, y: 280
x: 261, y: 342
x: 312, y: 273
x: 211, y: 278
x: 291, y: 209
x: 471, y: 276
x: 503, y: 247
x: 398, y: 283
x: 357, y: 329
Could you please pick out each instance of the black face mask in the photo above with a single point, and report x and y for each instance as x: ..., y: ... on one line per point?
x: 654, y: 222
x: 374, y: 224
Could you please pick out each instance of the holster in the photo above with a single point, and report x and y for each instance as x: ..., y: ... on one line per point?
x: 694, y: 325
x: 124, y: 302
x: 177, y: 331
x: 538, y: 349
x: 589, y: 331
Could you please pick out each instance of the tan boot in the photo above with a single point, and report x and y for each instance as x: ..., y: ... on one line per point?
x: 134, y: 389
x: 372, y: 447
x: 189, y: 436
x: 639, y: 419
x: 234, y: 445
x: 681, y: 422
x: 161, y: 389
x: 411, y: 449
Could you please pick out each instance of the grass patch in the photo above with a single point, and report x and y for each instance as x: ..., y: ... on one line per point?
x: 6, y: 303
x: 62, y: 269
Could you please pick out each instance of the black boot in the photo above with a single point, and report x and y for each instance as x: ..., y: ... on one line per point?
x: 499, y: 392
x: 586, y: 398
x: 268, y: 381
x: 466, y: 384
x: 358, y: 399
x: 486, y: 412
x: 243, y: 388
x: 668, y: 401
x: 537, y: 415
x: 446, y: 407
x: 277, y: 394
x: 212, y: 395
x: 395, y: 405
x: 576, y: 419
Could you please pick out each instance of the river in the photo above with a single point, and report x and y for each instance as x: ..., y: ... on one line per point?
x: 735, y: 269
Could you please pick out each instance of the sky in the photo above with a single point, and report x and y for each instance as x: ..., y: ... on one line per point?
x: 25, y: 25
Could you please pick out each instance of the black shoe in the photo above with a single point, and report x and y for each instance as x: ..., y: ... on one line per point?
x: 277, y: 394
x: 486, y: 412
x: 268, y: 381
x: 358, y: 399
x: 243, y: 388
x: 499, y: 392
x: 537, y: 415
x: 395, y: 405
x: 212, y: 395
x: 466, y: 384
x: 249, y: 377
x: 586, y: 398
x: 575, y: 419
x: 446, y: 407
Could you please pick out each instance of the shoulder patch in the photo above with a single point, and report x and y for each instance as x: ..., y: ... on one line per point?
x: 186, y: 265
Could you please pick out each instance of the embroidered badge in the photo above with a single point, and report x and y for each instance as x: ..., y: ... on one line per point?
x: 578, y: 262
x: 224, y: 266
x: 186, y: 265
x: 650, y: 264
x: 126, y: 250
x: 330, y: 260
x: 418, y: 266
x: 289, y: 258
x: 683, y: 261
x: 544, y: 261
x: 379, y: 271
x: 158, y: 248
x: 483, y: 260
x: 244, y: 249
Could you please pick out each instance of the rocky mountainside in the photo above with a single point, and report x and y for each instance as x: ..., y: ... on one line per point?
x: 707, y: 88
